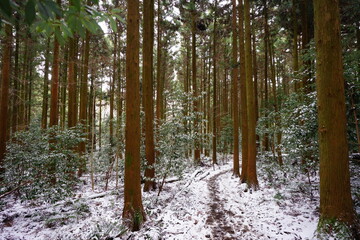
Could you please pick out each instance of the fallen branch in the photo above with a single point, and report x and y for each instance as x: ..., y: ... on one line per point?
x: 15, y: 189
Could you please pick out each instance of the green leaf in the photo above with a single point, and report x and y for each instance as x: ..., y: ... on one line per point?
x: 53, y: 7
x: 66, y: 30
x: 43, y: 11
x: 5, y: 7
x: 113, y: 24
x: 76, y: 4
x: 30, y: 12
x: 91, y: 25
x: 59, y: 37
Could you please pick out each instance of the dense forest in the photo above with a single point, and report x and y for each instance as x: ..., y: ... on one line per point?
x: 184, y: 119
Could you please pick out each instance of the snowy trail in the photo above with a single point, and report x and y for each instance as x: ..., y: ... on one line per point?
x: 218, y: 215
x: 208, y: 203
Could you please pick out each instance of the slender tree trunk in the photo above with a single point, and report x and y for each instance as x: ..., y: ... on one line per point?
x: 215, y: 104
x: 252, y: 176
x: 295, y: 54
x: 195, y: 91
x: 112, y: 92
x: 5, y: 82
x: 335, y: 194
x: 159, y: 89
x: 45, y: 103
x: 148, y: 101
x: 234, y: 76
x: 54, y: 98
x: 84, y: 101
x: 16, y: 103
x: 63, y: 86
x: 266, y: 64
x: 243, y: 109
x: 133, y: 212
x: 276, y: 106
x: 255, y: 74
x: 72, y: 85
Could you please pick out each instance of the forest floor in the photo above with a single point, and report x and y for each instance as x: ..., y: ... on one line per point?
x: 207, y: 203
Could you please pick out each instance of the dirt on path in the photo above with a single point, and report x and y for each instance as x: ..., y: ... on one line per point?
x: 218, y: 216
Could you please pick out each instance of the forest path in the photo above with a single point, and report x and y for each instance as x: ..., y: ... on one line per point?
x: 218, y: 217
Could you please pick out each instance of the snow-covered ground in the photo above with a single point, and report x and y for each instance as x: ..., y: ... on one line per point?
x: 208, y: 203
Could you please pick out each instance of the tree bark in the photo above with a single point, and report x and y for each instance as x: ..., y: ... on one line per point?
x: 45, y: 103
x: 234, y: 79
x: 5, y: 82
x: 335, y: 194
x: 243, y: 98
x: 148, y: 101
x: 195, y: 90
x: 252, y: 176
x: 72, y: 85
x: 133, y: 212
x: 84, y: 101
x: 215, y: 104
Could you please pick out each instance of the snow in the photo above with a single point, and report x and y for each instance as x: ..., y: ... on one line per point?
x: 208, y: 203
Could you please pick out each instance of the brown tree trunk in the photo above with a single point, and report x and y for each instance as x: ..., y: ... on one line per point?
x: 63, y: 86
x: 16, y: 103
x: 195, y: 91
x: 266, y: 99
x: 335, y: 194
x: 235, y: 101
x: 252, y: 176
x: 84, y: 101
x: 72, y: 85
x: 148, y: 101
x: 54, y: 112
x: 5, y: 82
x: 243, y: 98
x: 159, y: 70
x: 278, y: 133
x: 133, y: 212
x: 295, y: 54
x: 215, y: 104
x: 45, y: 103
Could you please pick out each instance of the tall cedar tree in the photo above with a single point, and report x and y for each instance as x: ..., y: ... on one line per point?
x: 84, y: 100
x: 252, y: 177
x: 133, y: 212
x: 4, y: 102
x: 243, y: 99
x: 148, y: 93
x: 214, y: 159
x: 335, y: 195
x: 234, y: 76
x: 54, y: 99
x: 45, y: 103
x: 195, y: 90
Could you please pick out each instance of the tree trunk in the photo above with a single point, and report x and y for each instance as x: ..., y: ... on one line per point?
x: 45, y: 103
x: 148, y: 101
x: 84, y: 101
x: 133, y: 212
x: 5, y: 82
x: 195, y: 91
x: 235, y: 101
x: 266, y: 99
x: 215, y: 104
x: 295, y: 54
x: 335, y: 194
x: 252, y: 176
x: 72, y: 85
x: 63, y: 86
x: 17, y: 100
x: 243, y: 109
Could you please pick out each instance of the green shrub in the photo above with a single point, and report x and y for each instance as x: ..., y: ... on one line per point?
x: 35, y: 158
